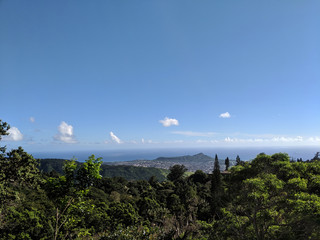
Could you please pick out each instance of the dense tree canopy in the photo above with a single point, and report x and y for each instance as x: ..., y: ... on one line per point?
x: 269, y: 197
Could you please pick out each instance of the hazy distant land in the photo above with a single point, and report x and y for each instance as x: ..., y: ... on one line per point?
x: 199, y: 161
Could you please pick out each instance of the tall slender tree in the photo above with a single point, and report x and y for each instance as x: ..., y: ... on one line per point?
x: 216, y: 183
x: 227, y: 163
x: 238, y: 161
x: 216, y: 176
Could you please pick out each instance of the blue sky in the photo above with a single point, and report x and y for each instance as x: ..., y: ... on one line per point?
x: 146, y: 74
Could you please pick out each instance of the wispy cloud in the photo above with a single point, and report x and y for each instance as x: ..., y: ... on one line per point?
x: 147, y: 141
x: 202, y: 141
x: 167, y: 122
x: 212, y: 139
x: 114, y: 138
x: 266, y: 140
x: 65, y: 133
x: 225, y: 115
x: 244, y: 140
x: 194, y: 134
x: 32, y: 119
x: 14, y: 135
x: 174, y: 142
x: 314, y: 139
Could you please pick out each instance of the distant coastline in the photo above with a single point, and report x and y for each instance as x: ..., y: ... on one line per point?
x: 149, y: 154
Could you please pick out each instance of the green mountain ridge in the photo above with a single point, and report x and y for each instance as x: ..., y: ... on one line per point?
x: 142, y: 169
x: 186, y: 158
x: 128, y: 172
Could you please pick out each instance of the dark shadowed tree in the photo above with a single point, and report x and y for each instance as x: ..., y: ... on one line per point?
x: 176, y: 172
x: 153, y: 181
x: 216, y: 175
x: 199, y: 177
x: 238, y: 160
x: 216, y: 183
x: 227, y: 163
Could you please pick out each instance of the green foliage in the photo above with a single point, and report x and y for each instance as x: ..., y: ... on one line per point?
x: 4, y: 127
x: 133, y: 173
x: 216, y: 177
x: 70, y: 173
x: 49, y: 165
x: 199, y: 177
x: 88, y: 172
x: 20, y: 168
x: 268, y: 198
x: 128, y: 172
x: 132, y: 233
x: 176, y: 172
x: 122, y: 214
x: 24, y: 223
x: 238, y: 161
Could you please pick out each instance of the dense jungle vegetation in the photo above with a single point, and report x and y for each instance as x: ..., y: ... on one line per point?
x: 269, y: 197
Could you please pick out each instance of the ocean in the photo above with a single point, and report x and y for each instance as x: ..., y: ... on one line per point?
x: 149, y: 154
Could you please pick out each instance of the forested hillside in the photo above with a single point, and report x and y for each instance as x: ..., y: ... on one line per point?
x: 51, y: 166
x: 270, y: 197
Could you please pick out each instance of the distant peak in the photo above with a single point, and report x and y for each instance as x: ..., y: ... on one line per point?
x: 199, y: 154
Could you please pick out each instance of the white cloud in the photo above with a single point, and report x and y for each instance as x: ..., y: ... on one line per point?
x: 65, y: 133
x: 14, y: 135
x: 287, y: 139
x: 167, y: 122
x: 114, y: 138
x: 147, y: 141
x: 314, y: 139
x: 228, y: 139
x: 32, y: 119
x: 194, y: 134
x: 225, y: 115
